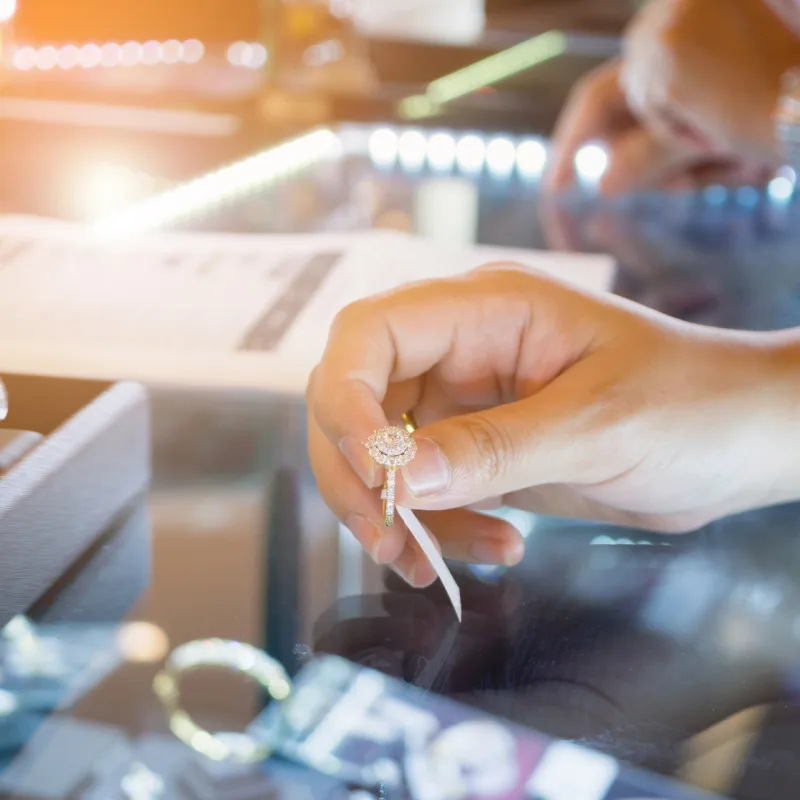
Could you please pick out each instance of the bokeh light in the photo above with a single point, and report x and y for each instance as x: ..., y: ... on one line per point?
x: 111, y: 54
x: 172, y: 52
x: 383, y: 147
x: 193, y: 51
x: 442, y: 151
x: 470, y: 153
x: 46, y: 58
x: 780, y: 190
x: 142, y: 642
x: 412, y: 147
x: 152, y: 52
x: 591, y: 163
x: 68, y: 57
x: 131, y: 54
x: 24, y: 58
x: 501, y: 155
x: 90, y: 56
x: 531, y: 158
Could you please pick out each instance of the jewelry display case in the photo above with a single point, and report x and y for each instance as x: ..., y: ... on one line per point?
x: 86, y: 469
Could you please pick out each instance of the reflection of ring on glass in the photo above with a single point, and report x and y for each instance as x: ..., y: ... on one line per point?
x: 3, y: 402
x: 237, y: 657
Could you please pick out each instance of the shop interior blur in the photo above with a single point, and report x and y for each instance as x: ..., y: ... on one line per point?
x: 105, y: 104
x: 429, y: 117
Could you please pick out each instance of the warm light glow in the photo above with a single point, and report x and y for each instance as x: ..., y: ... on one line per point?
x: 7, y: 10
x: 47, y: 58
x: 591, y: 163
x: 501, y: 155
x: 24, y: 58
x: 111, y: 54
x: 412, y: 147
x: 531, y: 158
x: 442, y: 152
x: 244, y: 54
x: 152, y: 53
x: 172, y: 52
x: 193, y: 51
x: 196, y: 196
x: 108, y: 187
x: 131, y: 54
x: 470, y: 153
x: 90, y: 56
x: 383, y: 147
x: 142, y: 642
x: 235, y: 52
x: 68, y: 57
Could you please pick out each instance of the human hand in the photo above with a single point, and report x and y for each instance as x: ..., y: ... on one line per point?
x: 638, y: 159
x: 707, y: 74
x: 689, y: 104
x: 535, y: 394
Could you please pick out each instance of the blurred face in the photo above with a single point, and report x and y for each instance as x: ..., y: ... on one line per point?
x: 788, y: 11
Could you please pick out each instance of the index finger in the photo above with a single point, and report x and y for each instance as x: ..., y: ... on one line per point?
x: 400, y: 336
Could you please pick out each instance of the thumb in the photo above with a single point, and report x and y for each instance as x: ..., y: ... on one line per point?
x: 466, y: 459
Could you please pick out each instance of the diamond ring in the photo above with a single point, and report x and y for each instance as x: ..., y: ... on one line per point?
x: 3, y: 402
x: 392, y: 448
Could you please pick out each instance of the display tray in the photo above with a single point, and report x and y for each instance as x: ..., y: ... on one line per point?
x: 67, y: 491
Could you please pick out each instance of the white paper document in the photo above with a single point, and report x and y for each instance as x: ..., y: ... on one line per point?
x: 209, y: 309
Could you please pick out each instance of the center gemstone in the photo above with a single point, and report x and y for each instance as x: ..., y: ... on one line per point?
x: 392, y: 447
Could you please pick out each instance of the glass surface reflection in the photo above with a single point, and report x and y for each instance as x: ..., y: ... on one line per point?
x: 657, y: 656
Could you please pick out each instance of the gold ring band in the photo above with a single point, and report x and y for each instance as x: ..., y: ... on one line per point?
x: 391, y: 448
x: 409, y: 422
x: 238, y: 657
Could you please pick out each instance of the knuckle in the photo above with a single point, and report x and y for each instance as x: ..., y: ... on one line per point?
x: 348, y: 317
x: 492, y: 446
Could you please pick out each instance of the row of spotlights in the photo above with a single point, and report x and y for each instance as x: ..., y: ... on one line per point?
x: 110, y: 54
x: 414, y: 150
x: 246, y: 54
x: 470, y: 153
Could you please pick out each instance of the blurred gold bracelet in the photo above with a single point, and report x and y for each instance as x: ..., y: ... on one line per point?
x: 237, y: 657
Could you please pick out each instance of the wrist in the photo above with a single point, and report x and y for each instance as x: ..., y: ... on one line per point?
x: 779, y: 414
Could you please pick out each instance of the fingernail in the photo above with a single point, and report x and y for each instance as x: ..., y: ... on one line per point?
x: 408, y: 574
x: 489, y: 552
x: 499, y: 551
x: 515, y: 552
x: 367, y: 533
x: 429, y: 473
x: 359, y: 459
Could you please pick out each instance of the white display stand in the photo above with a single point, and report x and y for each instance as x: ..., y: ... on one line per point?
x: 450, y: 21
